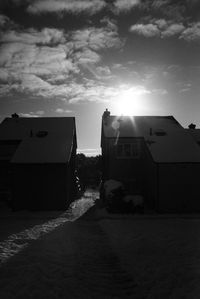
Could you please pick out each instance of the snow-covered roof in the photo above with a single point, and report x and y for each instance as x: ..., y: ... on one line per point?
x: 176, y: 146
x: 43, y: 139
x: 166, y: 139
x: 136, y: 126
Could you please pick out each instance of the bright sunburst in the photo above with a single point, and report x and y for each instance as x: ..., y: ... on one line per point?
x: 130, y: 101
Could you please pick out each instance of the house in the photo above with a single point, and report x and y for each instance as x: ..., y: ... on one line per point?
x: 37, y: 160
x: 153, y: 156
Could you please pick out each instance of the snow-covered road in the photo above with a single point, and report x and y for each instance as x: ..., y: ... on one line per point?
x: 72, y: 260
x: 19, y: 240
x: 99, y: 255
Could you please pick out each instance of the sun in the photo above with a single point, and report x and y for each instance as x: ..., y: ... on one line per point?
x: 130, y: 101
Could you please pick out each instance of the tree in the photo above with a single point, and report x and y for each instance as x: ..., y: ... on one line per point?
x: 89, y: 170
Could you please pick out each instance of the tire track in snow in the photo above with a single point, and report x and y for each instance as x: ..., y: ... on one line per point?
x: 99, y: 269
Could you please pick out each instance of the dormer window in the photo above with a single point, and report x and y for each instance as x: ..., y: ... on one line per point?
x: 41, y: 134
x: 160, y: 132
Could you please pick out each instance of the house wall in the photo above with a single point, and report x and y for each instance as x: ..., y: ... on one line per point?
x: 150, y: 179
x: 7, y: 150
x: 178, y: 188
x: 4, y: 175
x: 105, y: 157
x: 41, y: 186
x: 127, y: 170
x: 71, y: 190
x: 167, y: 187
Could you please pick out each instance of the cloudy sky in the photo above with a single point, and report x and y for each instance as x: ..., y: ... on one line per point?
x: 78, y: 57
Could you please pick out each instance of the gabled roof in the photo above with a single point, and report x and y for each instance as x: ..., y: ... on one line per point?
x: 43, y: 139
x: 166, y: 139
x: 136, y: 126
x: 176, y: 146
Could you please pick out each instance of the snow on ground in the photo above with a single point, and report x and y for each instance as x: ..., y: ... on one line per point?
x: 162, y: 254
x: 100, y: 255
x: 20, y: 239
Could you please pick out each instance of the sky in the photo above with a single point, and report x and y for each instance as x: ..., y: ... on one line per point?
x: 79, y: 57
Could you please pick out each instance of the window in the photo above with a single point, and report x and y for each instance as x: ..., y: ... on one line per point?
x: 119, y: 150
x: 128, y: 150
x: 41, y: 133
x: 160, y: 132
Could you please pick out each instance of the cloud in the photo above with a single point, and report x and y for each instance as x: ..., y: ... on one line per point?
x: 103, y: 71
x: 158, y: 28
x: 46, y: 62
x: 117, y: 66
x: 47, y: 36
x: 6, y: 23
x: 3, y: 20
x: 28, y: 115
x: 172, y: 30
x: 71, y: 6
x: 159, y: 91
x: 184, y: 90
x: 97, y: 38
x: 111, y: 24
x: 157, y: 4
x: 18, y: 60
x: 93, y: 91
x: 40, y: 112
x: 167, y: 8
x: 61, y: 111
x: 192, y: 33
x: 86, y: 56
x: 147, y: 30
x: 125, y: 5
x: 88, y: 42
x: 32, y: 114
x: 161, y: 23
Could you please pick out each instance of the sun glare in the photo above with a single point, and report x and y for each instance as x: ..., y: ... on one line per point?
x: 131, y: 101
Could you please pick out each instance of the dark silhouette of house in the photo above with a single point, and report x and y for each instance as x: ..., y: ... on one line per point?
x: 195, y: 133
x: 37, y: 160
x: 153, y: 156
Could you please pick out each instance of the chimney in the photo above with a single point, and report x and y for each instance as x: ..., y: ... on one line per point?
x: 105, y: 116
x: 15, y: 115
x: 192, y: 126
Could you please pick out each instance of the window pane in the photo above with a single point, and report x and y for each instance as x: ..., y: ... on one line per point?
x: 135, y: 149
x: 119, y: 150
x: 127, y: 150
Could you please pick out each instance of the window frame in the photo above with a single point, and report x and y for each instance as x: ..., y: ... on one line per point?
x: 134, y: 147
